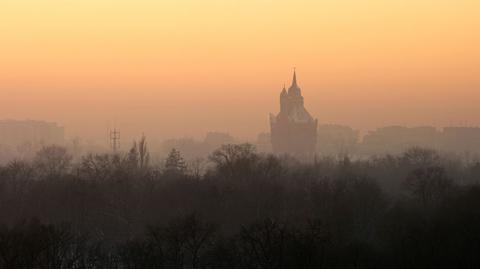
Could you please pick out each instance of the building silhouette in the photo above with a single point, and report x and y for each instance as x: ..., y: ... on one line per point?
x: 17, y: 132
x: 293, y: 130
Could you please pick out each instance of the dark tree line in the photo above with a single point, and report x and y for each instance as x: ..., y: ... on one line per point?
x: 248, y: 210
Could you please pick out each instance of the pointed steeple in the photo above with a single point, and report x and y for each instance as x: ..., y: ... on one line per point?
x: 284, y: 91
x: 294, y: 90
x: 294, y: 81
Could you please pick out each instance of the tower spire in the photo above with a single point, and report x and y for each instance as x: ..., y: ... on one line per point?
x: 284, y: 91
x: 294, y: 81
x: 294, y: 90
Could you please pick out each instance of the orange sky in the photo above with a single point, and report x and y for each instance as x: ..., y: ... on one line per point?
x: 181, y: 68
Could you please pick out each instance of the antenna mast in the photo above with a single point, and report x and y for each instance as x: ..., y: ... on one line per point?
x: 115, y: 140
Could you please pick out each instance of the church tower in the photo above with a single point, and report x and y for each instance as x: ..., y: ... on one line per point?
x: 293, y: 129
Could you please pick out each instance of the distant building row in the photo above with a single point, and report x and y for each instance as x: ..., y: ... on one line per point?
x: 397, y: 138
x: 342, y: 140
x: 16, y: 132
x: 294, y: 131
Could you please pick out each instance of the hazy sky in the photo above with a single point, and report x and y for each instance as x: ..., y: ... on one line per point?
x: 181, y: 68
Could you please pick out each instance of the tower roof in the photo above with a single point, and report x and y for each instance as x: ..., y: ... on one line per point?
x: 294, y: 80
x: 294, y: 89
x: 284, y: 91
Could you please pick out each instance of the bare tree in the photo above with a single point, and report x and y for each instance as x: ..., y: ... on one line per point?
x: 97, y: 167
x: 132, y: 158
x: 184, y: 242
x: 197, y: 167
x: 52, y: 161
x: 418, y: 157
x: 234, y: 160
x: 143, y: 154
x: 263, y: 245
x: 429, y: 185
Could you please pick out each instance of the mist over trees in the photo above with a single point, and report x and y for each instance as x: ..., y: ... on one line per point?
x: 237, y: 208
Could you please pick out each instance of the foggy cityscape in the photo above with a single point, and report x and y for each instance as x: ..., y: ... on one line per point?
x: 239, y: 134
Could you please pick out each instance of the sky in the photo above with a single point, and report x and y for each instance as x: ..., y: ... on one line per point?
x: 174, y: 68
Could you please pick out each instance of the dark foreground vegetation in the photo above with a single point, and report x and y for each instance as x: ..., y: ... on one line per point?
x: 248, y: 210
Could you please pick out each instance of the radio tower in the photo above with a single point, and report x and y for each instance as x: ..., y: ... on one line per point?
x: 115, y: 140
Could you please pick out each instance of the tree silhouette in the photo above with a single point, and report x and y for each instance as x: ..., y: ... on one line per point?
x: 143, y: 154
x: 233, y: 160
x: 175, y: 164
x: 52, y: 161
x: 429, y: 185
